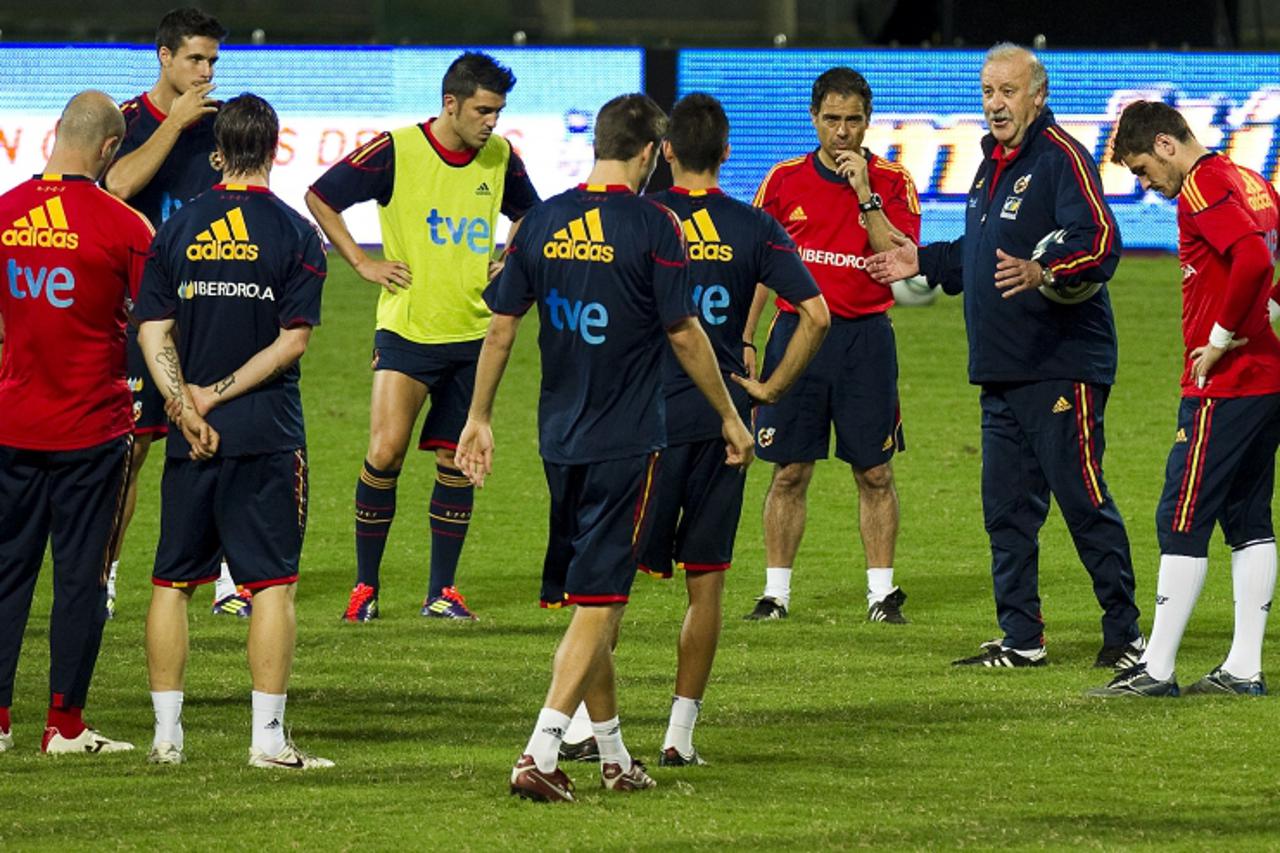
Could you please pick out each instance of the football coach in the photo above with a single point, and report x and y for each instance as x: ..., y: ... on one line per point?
x: 1042, y: 348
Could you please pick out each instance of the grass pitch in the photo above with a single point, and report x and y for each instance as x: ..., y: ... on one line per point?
x: 822, y: 730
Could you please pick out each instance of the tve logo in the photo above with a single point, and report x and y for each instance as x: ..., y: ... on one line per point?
x: 475, y: 232
x: 708, y: 301
x: 583, y: 319
x: 30, y: 283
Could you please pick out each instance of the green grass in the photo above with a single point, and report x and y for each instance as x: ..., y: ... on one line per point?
x: 822, y: 731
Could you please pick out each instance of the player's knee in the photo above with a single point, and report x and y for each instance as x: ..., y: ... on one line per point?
x: 876, y: 479
x: 792, y: 479
x: 386, y: 454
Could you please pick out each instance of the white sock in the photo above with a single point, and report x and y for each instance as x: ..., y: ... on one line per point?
x: 1253, y: 578
x: 268, y: 722
x: 544, y: 745
x: 879, y: 584
x: 777, y: 585
x: 111, y: 579
x: 168, y: 708
x: 225, y: 585
x: 609, y: 739
x: 684, y: 715
x: 580, y: 726
x: 1177, y: 588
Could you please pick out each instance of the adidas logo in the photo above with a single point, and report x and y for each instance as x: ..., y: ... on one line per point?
x: 273, y: 725
x: 797, y: 215
x: 704, y: 239
x: 888, y: 444
x: 1180, y: 437
x: 483, y: 189
x: 226, y: 239
x: 1061, y: 406
x: 581, y: 240
x: 1162, y: 599
x: 44, y: 226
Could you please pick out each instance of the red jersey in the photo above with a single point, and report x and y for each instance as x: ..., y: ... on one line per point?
x: 819, y: 210
x: 70, y: 257
x: 1221, y: 202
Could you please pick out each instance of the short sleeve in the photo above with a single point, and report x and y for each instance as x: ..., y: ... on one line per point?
x: 902, y: 205
x: 368, y: 173
x: 518, y: 193
x: 138, y: 249
x: 671, y: 284
x: 300, y: 299
x: 512, y: 291
x: 157, y: 294
x: 780, y: 267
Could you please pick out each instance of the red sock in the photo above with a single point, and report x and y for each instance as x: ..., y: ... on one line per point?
x: 4, y: 720
x: 67, y: 721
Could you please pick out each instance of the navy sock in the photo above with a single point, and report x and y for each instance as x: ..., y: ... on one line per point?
x: 375, y: 507
x: 451, y: 503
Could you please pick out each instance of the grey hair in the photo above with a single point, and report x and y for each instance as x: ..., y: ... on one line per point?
x: 1009, y: 50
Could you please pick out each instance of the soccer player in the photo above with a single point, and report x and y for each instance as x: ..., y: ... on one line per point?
x: 1045, y: 368
x: 167, y: 159
x: 71, y: 256
x: 839, y: 203
x: 608, y: 272
x: 1221, y: 467
x: 454, y: 174
x: 235, y: 278
x: 697, y: 498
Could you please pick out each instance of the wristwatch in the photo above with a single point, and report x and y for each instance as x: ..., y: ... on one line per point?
x: 1047, y: 278
x: 873, y: 203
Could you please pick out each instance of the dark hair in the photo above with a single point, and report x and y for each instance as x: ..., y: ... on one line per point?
x: 246, y: 130
x: 1141, y: 122
x: 178, y: 25
x: 841, y: 81
x: 475, y: 70
x: 626, y: 124
x: 698, y: 132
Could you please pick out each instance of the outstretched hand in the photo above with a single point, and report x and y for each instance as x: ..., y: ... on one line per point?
x: 902, y: 261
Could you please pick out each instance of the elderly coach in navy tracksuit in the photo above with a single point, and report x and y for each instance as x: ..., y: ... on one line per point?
x: 1045, y: 368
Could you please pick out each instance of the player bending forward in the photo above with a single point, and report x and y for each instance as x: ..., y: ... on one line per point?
x: 239, y: 275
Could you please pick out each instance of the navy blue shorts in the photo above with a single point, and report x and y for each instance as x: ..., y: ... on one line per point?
x: 148, y: 403
x: 448, y: 371
x: 852, y: 383
x: 599, y: 518
x: 1221, y: 469
x: 252, y: 508
x: 694, y: 511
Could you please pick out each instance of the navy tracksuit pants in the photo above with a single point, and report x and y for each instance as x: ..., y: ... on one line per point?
x: 1040, y: 438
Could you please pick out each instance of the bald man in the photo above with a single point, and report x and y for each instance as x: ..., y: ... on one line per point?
x: 71, y: 261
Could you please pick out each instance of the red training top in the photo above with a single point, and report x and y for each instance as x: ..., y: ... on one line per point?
x: 71, y: 256
x: 1220, y: 204
x: 819, y: 210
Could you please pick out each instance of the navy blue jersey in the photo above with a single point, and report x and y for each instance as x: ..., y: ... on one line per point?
x: 369, y: 173
x: 732, y: 246
x: 608, y: 273
x: 185, y: 173
x: 232, y: 268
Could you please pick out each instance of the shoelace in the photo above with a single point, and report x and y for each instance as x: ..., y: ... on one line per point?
x: 451, y: 593
x: 359, y: 597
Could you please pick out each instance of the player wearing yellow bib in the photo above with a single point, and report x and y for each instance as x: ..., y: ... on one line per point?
x: 440, y: 187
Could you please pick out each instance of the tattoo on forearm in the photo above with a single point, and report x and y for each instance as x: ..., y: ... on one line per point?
x: 222, y: 386
x: 167, y: 358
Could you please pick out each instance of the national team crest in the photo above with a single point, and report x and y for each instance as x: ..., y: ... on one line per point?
x: 1020, y: 185
x: 765, y: 436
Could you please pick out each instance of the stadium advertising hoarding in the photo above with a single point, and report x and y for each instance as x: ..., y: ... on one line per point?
x: 330, y: 100
x: 928, y: 115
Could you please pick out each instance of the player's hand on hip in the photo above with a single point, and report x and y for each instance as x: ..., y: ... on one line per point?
x: 739, y: 447
x: 758, y: 391
x: 1204, y: 358
x: 495, y: 268
x: 902, y: 261
x: 391, y: 275
x: 474, y: 456
x: 749, y: 361
x: 192, y: 105
x: 1015, y: 275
